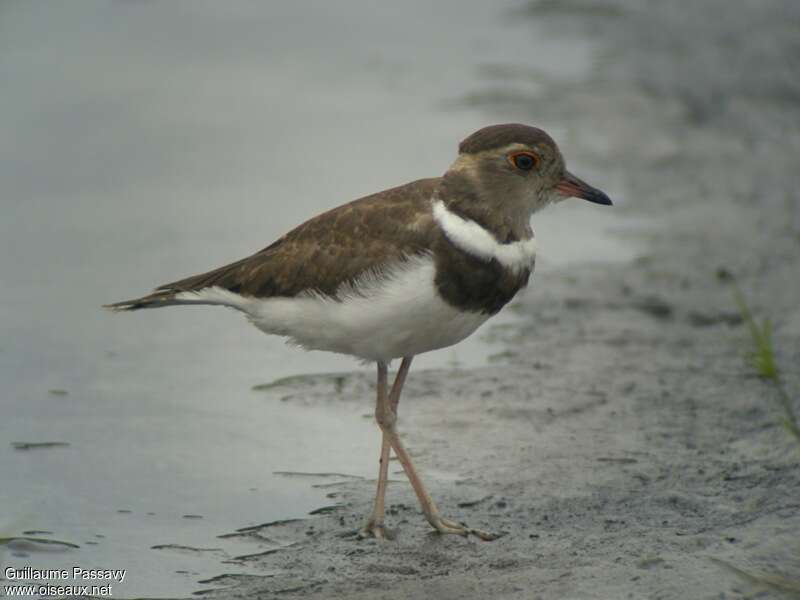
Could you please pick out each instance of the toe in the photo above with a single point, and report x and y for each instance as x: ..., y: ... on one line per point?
x: 447, y: 526
x: 486, y: 536
x: 375, y: 530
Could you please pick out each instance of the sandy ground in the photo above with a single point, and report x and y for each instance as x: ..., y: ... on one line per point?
x: 622, y: 442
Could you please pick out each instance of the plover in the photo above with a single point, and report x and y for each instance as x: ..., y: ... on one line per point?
x: 405, y: 271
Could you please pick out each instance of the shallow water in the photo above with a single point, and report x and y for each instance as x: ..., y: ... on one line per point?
x: 150, y: 141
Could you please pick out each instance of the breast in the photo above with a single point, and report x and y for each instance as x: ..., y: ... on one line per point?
x: 476, y: 271
x: 471, y: 284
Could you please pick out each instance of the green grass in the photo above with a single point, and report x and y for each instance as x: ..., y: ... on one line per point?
x: 763, y: 359
x: 762, y: 356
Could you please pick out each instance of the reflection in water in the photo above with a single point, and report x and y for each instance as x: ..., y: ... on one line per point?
x: 152, y: 141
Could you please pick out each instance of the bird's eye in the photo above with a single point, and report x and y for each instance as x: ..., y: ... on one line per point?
x: 525, y: 161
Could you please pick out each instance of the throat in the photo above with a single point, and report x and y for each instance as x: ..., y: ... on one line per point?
x: 507, y: 220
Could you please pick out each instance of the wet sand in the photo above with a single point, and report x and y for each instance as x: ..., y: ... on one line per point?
x: 622, y: 441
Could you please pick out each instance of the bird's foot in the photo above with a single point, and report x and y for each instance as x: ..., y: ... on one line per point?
x: 377, y: 530
x: 443, y: 525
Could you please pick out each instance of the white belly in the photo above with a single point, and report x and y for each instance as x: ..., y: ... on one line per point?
x: 381, y: 317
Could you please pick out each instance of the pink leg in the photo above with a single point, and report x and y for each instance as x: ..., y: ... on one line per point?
x: 386, y: 415
x: 374, y: 526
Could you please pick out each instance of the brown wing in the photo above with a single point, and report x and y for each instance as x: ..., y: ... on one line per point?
x: 332, y: 248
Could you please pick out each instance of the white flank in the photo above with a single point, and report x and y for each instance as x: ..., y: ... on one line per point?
x: 475, y: 240
x: 394, y: 313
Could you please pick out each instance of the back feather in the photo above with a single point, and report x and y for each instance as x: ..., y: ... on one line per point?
x: 316, y: 257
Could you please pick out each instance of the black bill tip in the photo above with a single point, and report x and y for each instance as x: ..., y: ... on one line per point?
x: 573, y: 187
x: 598, y: 197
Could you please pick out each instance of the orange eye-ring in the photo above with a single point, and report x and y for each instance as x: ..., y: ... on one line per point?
x: 524, y: 161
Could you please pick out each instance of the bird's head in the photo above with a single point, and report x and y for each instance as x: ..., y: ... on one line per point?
x: 518, y: 166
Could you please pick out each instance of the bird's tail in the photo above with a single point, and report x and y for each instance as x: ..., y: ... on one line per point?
x: 214, y: 296
x: 157, y: 299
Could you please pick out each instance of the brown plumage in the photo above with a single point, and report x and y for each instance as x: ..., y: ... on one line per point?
x: 334, y: 247
x: 337, y: 247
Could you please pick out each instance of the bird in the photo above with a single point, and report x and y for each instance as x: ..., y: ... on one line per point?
x: 398, y: 273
